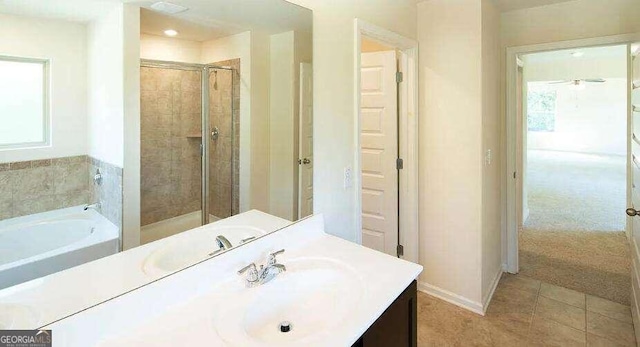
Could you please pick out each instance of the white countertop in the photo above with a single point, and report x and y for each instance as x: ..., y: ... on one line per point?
x: 177, y: 310
x: 63, y: 293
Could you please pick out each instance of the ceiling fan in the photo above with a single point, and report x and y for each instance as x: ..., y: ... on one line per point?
x: 579, y: 82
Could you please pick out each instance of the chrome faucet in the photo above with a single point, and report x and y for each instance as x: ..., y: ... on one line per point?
x: 266, y: 273
x: 96, y: 206
x: 223, y: 244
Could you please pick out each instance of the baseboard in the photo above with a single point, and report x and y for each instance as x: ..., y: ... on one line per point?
x: 635, y: 288
x: 487, y: 299
x: 452, y: 298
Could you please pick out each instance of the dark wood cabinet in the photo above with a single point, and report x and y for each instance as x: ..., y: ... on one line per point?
x: 397, y: 326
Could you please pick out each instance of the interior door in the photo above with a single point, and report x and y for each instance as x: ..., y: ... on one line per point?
x: 379, y: 151
x: 305, y: 203
x: 634, y: 106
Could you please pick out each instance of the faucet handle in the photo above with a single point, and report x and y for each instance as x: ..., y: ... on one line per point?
x: 253, y: 272
x: 272, y: 256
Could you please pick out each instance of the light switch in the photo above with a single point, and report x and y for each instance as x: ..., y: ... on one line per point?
x: 348, y: 177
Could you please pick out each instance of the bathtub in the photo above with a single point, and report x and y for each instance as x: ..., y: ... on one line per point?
x: 44, y: 243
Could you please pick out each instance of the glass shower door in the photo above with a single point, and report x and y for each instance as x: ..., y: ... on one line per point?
x: 221, y: 135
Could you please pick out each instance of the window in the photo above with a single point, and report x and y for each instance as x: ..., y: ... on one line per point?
x: 541, y: 108
x: 24, y: 99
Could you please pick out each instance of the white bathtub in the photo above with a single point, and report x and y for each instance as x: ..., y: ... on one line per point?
x: 41, y: 244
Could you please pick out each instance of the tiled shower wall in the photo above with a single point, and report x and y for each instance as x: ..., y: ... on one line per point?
x: 30, y: 187
x: 170, y: 143
x: 224, y: 112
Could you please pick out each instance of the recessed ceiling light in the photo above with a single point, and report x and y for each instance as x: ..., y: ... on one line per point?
x: 170, y: 32
x: 577, y: 54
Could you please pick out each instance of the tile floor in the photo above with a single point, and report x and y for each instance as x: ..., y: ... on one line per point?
x: 527, y: 312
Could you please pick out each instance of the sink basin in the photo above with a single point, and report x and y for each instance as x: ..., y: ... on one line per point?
x: 314, y: 295
x: 181, y: 253
x: 17, y: 316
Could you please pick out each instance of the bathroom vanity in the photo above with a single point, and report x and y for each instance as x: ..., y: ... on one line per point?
x: 397, y: 326
x: 333, y: 293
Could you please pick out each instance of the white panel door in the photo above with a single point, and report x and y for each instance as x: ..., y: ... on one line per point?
x: 635, y: 152
x: 305, y: 202
x: 379, y: 151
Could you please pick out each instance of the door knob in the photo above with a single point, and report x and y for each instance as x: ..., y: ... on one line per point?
x: 215, y: 133
x: 631, y: 212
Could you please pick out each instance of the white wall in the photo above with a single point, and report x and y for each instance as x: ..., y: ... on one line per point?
x: 492, y: 174
x: 593, y: 120
x: 131, y: 90
x: 334, y: 92
x: 106, y: 94
x: 64, y: 43
x: 234, y: 47
x: 170, y: 49
x: 260, y: 136
x: 451, y: 145
x: 569, y: 21
x: 281, y: 124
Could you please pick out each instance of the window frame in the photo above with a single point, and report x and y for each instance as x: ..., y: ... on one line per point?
x: 46, y: 93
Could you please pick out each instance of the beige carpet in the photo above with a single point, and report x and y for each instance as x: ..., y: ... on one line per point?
x: 574, y: 236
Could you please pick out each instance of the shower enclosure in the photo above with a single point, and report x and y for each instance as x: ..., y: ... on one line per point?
x: 189, y: 139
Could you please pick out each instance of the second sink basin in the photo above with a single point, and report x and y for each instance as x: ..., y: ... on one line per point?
x: 178, y: 254
x: 313, y: 295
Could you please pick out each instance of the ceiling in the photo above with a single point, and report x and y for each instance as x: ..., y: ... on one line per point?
x: 211, y: 19
x: 70, y: 10
x: 205, y: 19
x: 155, y: 23
x: 588, y: 53
x: 512, y: 5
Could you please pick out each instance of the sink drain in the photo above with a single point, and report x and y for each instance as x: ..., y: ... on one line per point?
x: 285, y: 327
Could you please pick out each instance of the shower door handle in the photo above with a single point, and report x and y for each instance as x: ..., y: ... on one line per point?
x: 215, y: 133
x: 304, y: 161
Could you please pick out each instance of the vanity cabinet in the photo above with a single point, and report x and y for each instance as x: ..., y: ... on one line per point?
x: 397, y: 326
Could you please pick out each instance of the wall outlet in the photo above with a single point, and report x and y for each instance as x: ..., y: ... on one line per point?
x: 348, y: 177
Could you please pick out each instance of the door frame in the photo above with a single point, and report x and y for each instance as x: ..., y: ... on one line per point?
x: 514, y: 150
x: 408, y: 133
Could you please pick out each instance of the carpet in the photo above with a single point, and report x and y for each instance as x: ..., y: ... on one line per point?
x: 574, y: 236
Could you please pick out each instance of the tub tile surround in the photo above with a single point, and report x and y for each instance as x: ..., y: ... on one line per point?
x: 109, y: 193
x: 186, y: 316
x: 29, y: 187
x: 67, y: 292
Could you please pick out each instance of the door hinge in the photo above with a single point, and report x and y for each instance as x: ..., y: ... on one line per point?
x: 399, y: 164
x: 399, y: 77
x: 514, y: 175
x: 400, y: 250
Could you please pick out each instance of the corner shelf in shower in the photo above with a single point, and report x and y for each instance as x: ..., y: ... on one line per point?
x: 194, y: 136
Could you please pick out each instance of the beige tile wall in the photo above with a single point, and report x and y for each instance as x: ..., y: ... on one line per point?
x: 170, y: 143
x: 30, y: 187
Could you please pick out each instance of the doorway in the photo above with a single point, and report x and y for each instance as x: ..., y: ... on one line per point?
x: 379, y: 147
x: 572, y: 177
x: 385, y: 173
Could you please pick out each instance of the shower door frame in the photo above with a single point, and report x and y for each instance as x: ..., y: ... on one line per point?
x: 206, y: 123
